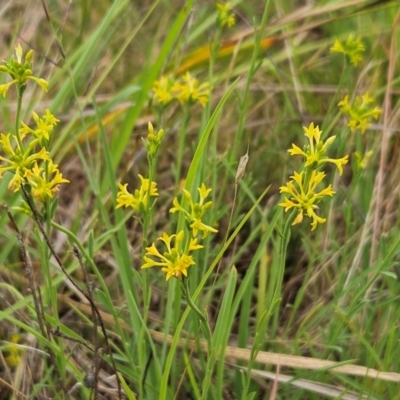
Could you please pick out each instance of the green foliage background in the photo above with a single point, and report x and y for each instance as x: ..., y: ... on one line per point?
x: 340, y: 290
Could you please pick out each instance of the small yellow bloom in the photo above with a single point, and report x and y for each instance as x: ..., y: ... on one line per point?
x: 44, y: 126
x: 196, y: 211
x: 44, y: 182
x: 139, y: 201
x: 19, y: 161
x: 302, y: 195
x: 153, y: 141
x: 13, y: 351
x: 190, y: 91
x: 315, y: 152
x: 362, y: 161
x: 162, y: 90
x: 4, y: 88
x: 225, y: 16
x: 361, y: 112
x: 20, y: 71
x: 175, y: 261
x: 353, y: 48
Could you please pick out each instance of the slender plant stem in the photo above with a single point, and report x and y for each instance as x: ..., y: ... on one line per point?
x: 203, y: 320
x: 282, y: 254
x: 181, y: 144
x: 17, y: 116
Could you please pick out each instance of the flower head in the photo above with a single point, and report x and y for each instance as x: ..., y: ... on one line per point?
x: 194, y: 212
x: 361, y: 112
x: 44, y: 127
x: 153, y: 141
x: 162, y: 92
x: 139, y: 200
x: 303, y: 196
x: 45, y: 181
x: 176, y: 260
x: 362, y: 160
x: 190, y: 91
x: 20, y: 72
x: 225, y: 16
x: 353, y: 48
x: 18, y: 160
x: 13, y: 351
x: 315, y: 152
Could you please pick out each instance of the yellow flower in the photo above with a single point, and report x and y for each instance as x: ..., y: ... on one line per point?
x: 19, y: 160
x: 225, y: 17
x: 361, y: 112
x: 190, y: 91
x: 44, y: 126
x: 44, y: 182
x: 13, y: 351
x: 139, y: 201
x: 353, y: 48
x: 196, y: 211
x: 302, y: 195
x: 315, y: 152
x: 153, y: 141
x: 175, y: 261
x: 20, y: 71
x: 162, y: 90
x: 362, y: 161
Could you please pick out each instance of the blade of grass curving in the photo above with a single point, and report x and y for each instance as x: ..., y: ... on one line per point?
x: 223, y: 328
x: 244, y: 295
x: 82, y: 57
x: 127, y: 389
x: 150, y: 73
x: 122, y: 49
x: 124, y: 94
x: 193, y: 169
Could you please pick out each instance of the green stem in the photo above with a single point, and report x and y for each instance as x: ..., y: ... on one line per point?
x: 203, y: 320
x: 282, y: 255
x: 207, y: 333
x: 181, y: 144
x: 17, y: 116
x: 78, y: 244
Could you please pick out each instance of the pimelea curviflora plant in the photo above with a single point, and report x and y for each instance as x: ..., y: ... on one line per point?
x: 302, y: 193
x: 173, y: 252
x: 352, y: 48
x: 26, y: 150
x: 26, y: 161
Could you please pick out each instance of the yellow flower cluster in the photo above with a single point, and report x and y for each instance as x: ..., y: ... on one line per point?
x: 314, y: 153
x: 195, y: 211
x: 44, y: 127
x: 26, y: 153
x: 361, y: 112
x: 302, y: 189
x: 353, y: 48
x: 225, y: 16
x: 139, y: 200
x: 361, y: 161
x: 187, y: 90
x: 13, y: 351
x: 153, y: 142
x: 177, y: 259
x: 31, y: 163
x: 20, y: 72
